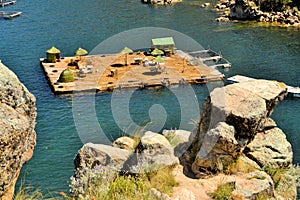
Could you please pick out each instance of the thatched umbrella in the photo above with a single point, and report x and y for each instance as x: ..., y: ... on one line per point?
x: 156, y: 52
x: 80, y: 52
x: 158, y: 59
x: 126, y: 51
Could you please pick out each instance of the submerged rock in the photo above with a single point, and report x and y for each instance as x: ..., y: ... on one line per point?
x: 17, y: 135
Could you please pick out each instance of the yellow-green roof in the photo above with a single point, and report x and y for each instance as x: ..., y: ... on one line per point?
x: 163, y: 41
x: 81, y: 52
x: 53, y: 50
x: 126, y: 50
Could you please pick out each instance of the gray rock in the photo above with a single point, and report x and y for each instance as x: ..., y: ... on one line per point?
x: 155, y: 152
x: 270, y: 148
x: 222, y: 19
x: 17, y: 135
x: 244, y: 106
x: 154, y: 143
x: 286, y: 187
x: 218, y: 150
x: 180, y: 140
x: 253, y: 184
x: 91, y: 155
x: 125, y: 143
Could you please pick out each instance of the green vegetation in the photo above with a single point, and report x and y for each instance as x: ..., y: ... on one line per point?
x: 257, y: 177
x: 28, y: 194
x: 107, y: 184
x: 223, y: 192
x: 239, y: 166
x: 276, y: 174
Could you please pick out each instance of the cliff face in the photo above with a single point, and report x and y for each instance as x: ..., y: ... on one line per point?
x: 17, y: 135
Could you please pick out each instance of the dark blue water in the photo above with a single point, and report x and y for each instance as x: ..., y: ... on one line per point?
x: 260, y: 52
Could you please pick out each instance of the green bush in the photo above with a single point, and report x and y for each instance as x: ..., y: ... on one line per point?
x: 223, y: 192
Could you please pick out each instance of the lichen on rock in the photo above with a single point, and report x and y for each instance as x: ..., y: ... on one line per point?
x: 17, y: 134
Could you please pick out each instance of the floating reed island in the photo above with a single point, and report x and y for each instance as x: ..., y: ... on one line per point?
x: 127, y: 69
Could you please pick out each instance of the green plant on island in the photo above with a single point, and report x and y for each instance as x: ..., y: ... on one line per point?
x: 239, y: 166
x: 223, y: 192
x: 107, y: 184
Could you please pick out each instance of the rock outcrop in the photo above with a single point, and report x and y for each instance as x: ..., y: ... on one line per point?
x: 252, y: 10
x: 235, y: 124
x: 236, y: 142
x: 17, y: 135
x: 154, y: 151
x: 160, y: 2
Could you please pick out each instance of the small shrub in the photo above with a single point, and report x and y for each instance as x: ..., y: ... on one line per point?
x: 27, y: 193
x: 276, y: 174
x: 163, y: 180
x: 239, y: 166
x: 223, y: 192
x: 257, y: 177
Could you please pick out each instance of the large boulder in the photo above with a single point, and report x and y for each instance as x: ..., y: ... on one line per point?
x: 180, y: 140
x: 253, y: 184
x: 154, y: 152
x: 91, y: 155
x: 245, y: 106
x: 17, y: 135
x: 270, y: 149
x: 218, y: 150
x: 230, y: 119
x: 125, y: 143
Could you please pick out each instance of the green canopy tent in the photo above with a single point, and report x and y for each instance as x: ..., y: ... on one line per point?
x: 66, y: 76
x: 157, y: 51
x: 126, y: 51
x: 158, y: 59
x: 52, y: 54
x: 81, y: 52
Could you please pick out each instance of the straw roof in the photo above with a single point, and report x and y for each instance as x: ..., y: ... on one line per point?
x: 158, y: 59
x: 157, y: 51
x: 66, y: 76
x: 81, y: 52
x: 53, y: 50
x: 126, y: 50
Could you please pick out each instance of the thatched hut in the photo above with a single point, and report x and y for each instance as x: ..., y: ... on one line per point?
x: 66, y: 76
x: 52, y: 54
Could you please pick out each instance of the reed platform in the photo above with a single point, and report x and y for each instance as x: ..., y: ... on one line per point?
x: 292, y: 91
x: 6, y: 2
x: 109, y: 72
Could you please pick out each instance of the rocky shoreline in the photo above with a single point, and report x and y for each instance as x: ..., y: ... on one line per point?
x: 236, y: 141
x: 248, y: 10
x: 160, y: 2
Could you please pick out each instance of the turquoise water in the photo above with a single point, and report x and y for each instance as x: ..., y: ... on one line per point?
x: 260, y: 52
